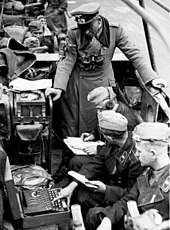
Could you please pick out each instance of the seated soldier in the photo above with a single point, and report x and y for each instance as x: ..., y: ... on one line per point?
x: 49, y: 35
x: 153, y: 186
x: 114, y: 168
x: 36, y: 30
x: 42, y: 19
x: 103, y: 98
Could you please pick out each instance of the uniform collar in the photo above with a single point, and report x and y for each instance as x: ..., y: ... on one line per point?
x: 128, y: 144
x: 104, y: 36
x: 149, y: 171
x: 123, y: 154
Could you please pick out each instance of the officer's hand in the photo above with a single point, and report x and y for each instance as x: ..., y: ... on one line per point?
x: 90, y: 150
x: 158, y: 83
x: 87, y: 137
x: 105, y: 224
x: 55, y: 92
x: 160, y: 100
x: 101, y: 187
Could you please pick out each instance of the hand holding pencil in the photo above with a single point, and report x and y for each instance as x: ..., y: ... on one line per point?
x: 87, y: 137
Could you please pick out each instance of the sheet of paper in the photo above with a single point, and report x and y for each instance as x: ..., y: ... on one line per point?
x: 21, y: 84
x: 76, y: 144
x: 81, y: 178
x: 47, y: 56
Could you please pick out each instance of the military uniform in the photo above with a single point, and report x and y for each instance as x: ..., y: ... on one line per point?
x: 55, y: 16
x: 118, y: 168
x: 87, y: 65
x: 151, y: 191
x: 147, y: 197
x: 35, y: 30
x: 104, y: 98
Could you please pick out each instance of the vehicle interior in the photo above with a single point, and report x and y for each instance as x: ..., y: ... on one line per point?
x: 27, y: 127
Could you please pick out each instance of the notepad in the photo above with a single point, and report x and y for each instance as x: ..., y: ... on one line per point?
x: 76, y: 144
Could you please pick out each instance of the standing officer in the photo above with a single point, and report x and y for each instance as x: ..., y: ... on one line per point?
x: 87, y: 65
x: 152, y: 189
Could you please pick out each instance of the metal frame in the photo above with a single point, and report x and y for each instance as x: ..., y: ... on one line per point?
x: 46, y: 119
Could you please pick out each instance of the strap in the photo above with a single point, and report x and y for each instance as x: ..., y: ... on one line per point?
x: 112, y: 95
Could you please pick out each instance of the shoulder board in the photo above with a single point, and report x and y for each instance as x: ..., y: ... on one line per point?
x: 145, y: 171
x: 132, y: 154
x: 166, y: 185
x: 113, y: 24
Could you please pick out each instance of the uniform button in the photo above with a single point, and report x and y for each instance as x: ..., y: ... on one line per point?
x: 122, y: 158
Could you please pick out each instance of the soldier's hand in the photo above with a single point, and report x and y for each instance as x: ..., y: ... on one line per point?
x: 90, y: 150
x: 53, y: 91
x: 101, y: 187
x: 87, y: 137
x: 67, y: 191
x: 105, y: 224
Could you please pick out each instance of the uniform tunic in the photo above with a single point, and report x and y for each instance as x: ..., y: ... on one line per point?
x: 79, y: 115
x: 117, y: 167
x: 78, y: 161
x: 147, y: 195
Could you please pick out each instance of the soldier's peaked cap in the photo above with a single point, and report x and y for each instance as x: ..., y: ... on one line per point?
x: 151, y: 131
x: 86, y: 12
x: 109, y: 119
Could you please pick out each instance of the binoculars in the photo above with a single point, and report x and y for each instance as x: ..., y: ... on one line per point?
x: 92, y: 62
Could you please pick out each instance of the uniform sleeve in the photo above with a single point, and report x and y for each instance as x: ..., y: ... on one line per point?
x: 134, y: 170
x: 113, y: 193
x: 119, y: 209
x: 135, y: 55
x: 96, y: 165
x: 65, y: 67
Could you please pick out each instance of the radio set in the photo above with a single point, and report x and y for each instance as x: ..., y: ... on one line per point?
x: 32, y: 126
x: 28, y: 106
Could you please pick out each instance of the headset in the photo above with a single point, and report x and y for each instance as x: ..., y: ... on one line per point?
x: 111, y: 103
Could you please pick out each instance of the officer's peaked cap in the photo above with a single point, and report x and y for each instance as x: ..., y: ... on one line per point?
x: 151, y: 131
x: 85, y: 13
